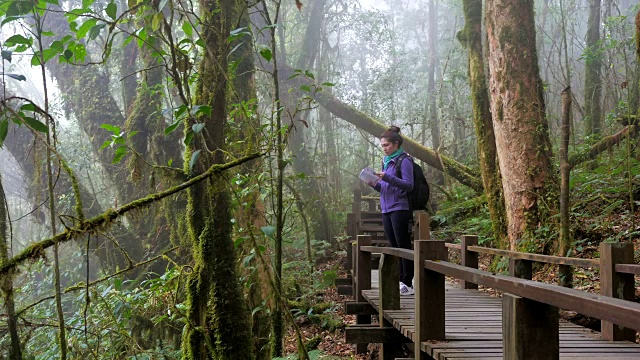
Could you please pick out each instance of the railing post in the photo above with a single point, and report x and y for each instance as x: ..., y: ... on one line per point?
x: 389, y: 295
x: 354, y: 260
x: 469, y: 258
x: 363, y: 282
x: 616, y: 285
x: 356, y: 209
x: 351, y: 235
x: 530, y: 329
x: 522, y: 269
x: 422, y: 228
x: 429, y: 297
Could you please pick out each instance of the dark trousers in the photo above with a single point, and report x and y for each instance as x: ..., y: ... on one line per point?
x: 397, y: 229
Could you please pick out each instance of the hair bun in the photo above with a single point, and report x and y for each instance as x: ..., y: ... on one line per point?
x: 394, y: 129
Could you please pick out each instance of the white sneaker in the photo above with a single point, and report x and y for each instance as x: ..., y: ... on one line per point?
x: 405, y: 290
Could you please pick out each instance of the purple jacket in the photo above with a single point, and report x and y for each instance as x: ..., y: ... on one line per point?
x: 393, y: 190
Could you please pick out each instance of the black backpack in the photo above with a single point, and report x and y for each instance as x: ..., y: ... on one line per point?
x: 419, y: 196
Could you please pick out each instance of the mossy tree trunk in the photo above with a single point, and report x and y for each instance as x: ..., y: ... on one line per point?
x: 217, y: 318
x: 471, y: 37
x: 517, y: 105
x: 6, y: 282
x: 251, y: 215
x: 87, y: 95
x: 592, y: 76
x: 144, y: 115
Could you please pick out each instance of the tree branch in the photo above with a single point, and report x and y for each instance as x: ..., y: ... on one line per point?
x: 36, y: 249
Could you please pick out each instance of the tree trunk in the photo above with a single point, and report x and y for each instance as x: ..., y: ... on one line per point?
x: 564, y: 272
x: 517, y: 105
x: 471, y: 37
x: 217, y: 318
x: 6, y: 283
x: 251, y: 215
x: 593, y: 78
x: 431, y: 84
x: 302, y: 162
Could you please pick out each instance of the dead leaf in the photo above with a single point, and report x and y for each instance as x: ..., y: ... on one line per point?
x: 299, y: 5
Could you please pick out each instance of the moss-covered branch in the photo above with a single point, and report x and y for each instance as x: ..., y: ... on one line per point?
x: 604, y: 144
x: 36, y: 249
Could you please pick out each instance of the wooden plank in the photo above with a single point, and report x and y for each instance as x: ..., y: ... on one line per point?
x: 392, y: 251
x: 343, y: 281
x: 429, y: 295
x: 618, y: 311
x: 468, y: 258
x: 423, y: 223
x: 373, y: 335
x: 530, y: 329
x: 522, y: 269
x: 453, y: 246
x: 548, y: 259
x: 359, y: 308
x: 389, y: 299
x: 617, y: 285
x: 628, y: 268
x: 346, y: 290
x: 363, y: 282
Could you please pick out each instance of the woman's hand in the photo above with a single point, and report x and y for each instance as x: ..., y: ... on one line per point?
x: 379, y: 174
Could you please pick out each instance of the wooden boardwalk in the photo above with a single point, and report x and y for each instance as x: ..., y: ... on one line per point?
x: 474, y: 329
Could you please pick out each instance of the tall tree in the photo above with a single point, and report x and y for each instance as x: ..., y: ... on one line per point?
x: 592, y: 76
x: 517, y: 104
x: 243, y: 97
x: 434, y: 122
x: 217, y: 318
x: 471, y: 37
x: 302, y: 161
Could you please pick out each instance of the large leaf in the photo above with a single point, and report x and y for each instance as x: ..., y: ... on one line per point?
x: 4, y: 130
x: 111, y: 128
x: 187, y: 28
x: 18, y: 77
x: 194, y: 159
x: 266, y: 54
x: 85, y: 27
x: 6, y: 55
x: 36, y: 124
x: 95, y: 31
x: 17, y: 39
x: 197, y: 127
x: 121, y: 151
x: 112, y: 10
x: 19, y: 7
x: 268, y: 230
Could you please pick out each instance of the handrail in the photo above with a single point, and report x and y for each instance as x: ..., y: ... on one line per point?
x: 628, y: 268
x: 399, y: 252
x: 549, y: 259
x: 621, y: 312
x: 453, y: 246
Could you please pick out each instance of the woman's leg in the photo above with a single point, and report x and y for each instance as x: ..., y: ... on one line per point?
x: 389, y: 232
x: 402, y: 222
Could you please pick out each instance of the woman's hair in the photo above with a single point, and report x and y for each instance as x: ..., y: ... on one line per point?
x: 392, y: 135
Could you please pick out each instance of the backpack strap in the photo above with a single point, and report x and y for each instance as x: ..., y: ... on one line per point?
x: 398, y: 163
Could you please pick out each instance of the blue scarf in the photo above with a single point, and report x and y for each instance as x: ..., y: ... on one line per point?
x: 388, y: 159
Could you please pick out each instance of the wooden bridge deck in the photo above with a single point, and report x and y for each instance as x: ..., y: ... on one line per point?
x: 474, y: 329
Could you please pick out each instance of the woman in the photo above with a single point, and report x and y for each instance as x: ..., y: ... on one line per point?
x: 394, y: 183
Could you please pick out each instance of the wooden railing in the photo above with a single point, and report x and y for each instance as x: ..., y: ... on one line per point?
x: 528, y: 306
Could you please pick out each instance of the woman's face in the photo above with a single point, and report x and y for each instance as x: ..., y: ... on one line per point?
x: 388, y: 147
